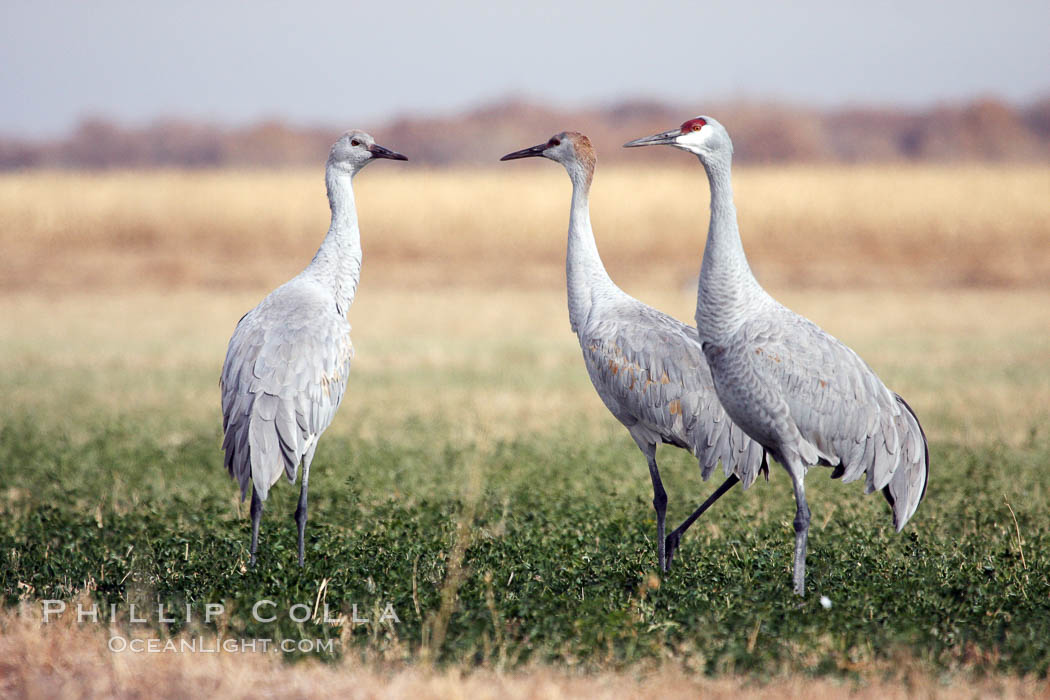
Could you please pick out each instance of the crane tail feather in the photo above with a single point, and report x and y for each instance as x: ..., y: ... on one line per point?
x: 908, y: 486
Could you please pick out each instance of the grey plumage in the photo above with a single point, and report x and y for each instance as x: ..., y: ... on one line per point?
x: 649, y: 370
x: 284, y: 376
x: 288, y: 361
x: 805, y: 396
x: 785, y: 376
x: 647, y: 367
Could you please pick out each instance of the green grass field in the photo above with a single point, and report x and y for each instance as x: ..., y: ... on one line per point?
x: 474, y: 482
x: 472, y: 479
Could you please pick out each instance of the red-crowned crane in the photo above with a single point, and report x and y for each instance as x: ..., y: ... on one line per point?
x: 803, y: 395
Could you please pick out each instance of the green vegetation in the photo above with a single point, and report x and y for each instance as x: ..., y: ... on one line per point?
x: 558, y: 562
x: 472, y: 480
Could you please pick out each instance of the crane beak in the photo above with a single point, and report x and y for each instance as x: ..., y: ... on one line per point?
x: 666, y: 138
x: 380, y: 152
x: 526, y: 152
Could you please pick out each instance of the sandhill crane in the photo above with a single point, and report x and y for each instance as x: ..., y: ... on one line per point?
x: 289, y: 358
x: 805, y: 396
x: 647, y: 367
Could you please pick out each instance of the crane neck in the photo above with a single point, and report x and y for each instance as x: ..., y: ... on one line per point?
x: 584, y: 272
x: 726, y: 281
x: 337, y: 263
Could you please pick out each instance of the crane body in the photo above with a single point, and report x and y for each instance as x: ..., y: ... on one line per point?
x: 806, y: 397
x: 288, y: 361
x: 647, y: 367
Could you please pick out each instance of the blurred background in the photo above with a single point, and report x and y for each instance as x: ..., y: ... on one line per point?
x: 199, y: 84
x: 165, y: 162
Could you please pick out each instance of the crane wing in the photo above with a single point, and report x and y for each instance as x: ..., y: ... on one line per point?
x: 838, y: 404
x: 651, y: 373
x: 284, y: 377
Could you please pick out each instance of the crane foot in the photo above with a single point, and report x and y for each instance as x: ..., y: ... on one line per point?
x: 670, y: 545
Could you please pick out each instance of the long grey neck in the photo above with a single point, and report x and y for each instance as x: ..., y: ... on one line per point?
x: 727, y: 286
x: 337, y: 263
x: 584, y: 272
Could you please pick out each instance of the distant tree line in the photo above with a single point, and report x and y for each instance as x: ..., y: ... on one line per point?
x: 982, y: 130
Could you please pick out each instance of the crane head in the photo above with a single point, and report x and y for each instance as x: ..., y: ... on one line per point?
x: 570, y: 148
x: 703, y: 136
x: 355, y: 149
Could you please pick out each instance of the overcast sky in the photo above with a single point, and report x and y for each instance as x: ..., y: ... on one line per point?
x: 342, y: 61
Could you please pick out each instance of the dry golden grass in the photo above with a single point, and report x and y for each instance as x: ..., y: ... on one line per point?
x: 65, y: 660
x: 811, y: 226
x: 971, y: 362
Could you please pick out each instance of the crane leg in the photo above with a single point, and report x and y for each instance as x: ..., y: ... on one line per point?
x: 300, y: 511
x: 798, y: 473
x: 659, y: 503
x: 675, y: 538
x: 256, y: 511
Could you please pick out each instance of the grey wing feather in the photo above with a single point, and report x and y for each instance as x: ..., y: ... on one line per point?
x: 908, y: 485
x: 844, y: 414
x: 284, y: 377
x: 650, y: 371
